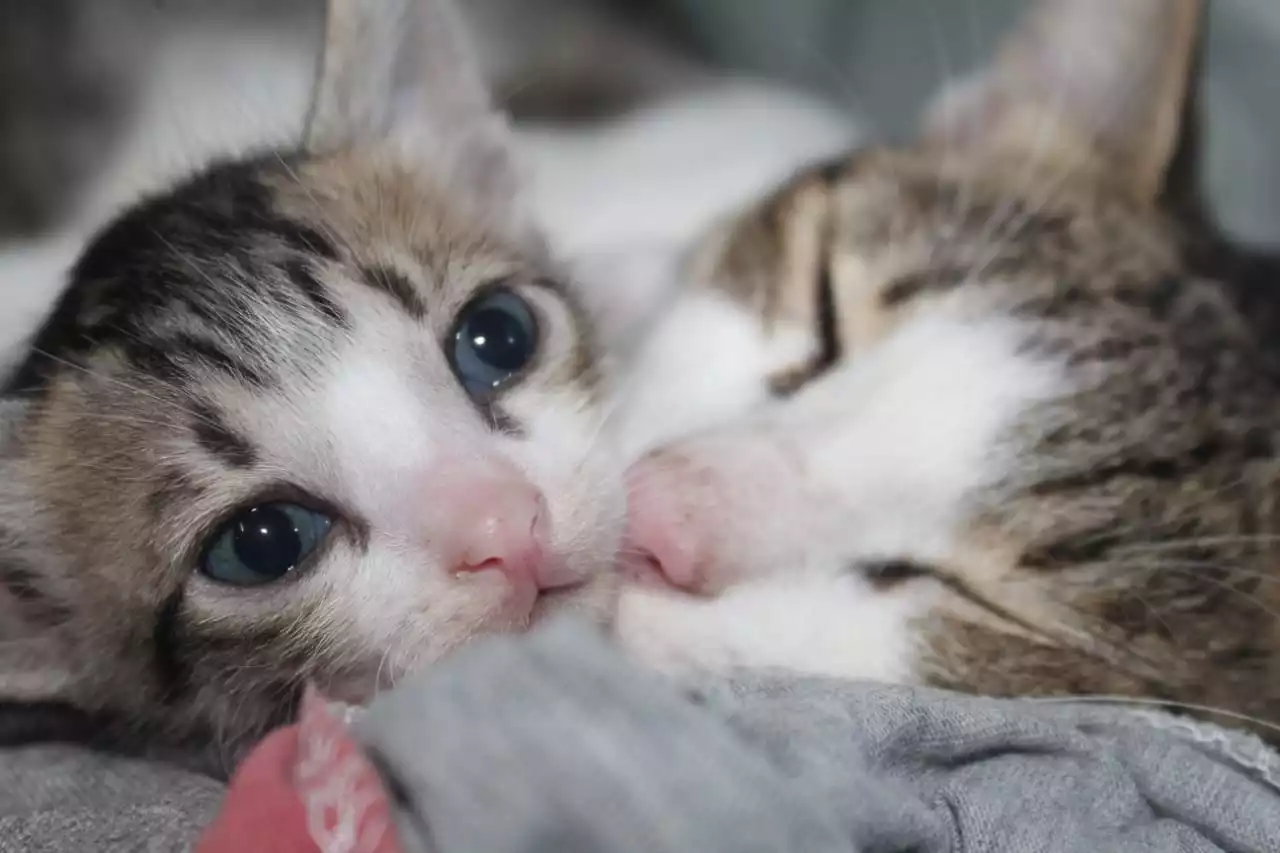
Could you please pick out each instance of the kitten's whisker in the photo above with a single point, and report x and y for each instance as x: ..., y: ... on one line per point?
x: 128, y: 386
x: 1146, y: 702
x: 1198, y: 542
x: 1209, y: 566
x: 1190, y: 570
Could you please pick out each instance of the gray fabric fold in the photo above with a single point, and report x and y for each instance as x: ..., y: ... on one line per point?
x: 552, y: 743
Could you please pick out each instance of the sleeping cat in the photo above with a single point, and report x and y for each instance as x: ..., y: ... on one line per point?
x: 321, y: 414
x: 994, y: 411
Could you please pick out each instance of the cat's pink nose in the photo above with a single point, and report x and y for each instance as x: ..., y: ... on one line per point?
x: 494, y: 522
x: 662, y: 543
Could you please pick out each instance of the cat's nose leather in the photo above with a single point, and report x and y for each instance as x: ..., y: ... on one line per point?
x: 493, y: 521
x: 662, y: 543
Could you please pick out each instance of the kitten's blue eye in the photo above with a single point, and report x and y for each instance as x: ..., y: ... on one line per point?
x: 263, y: 544
x: 495, y: 337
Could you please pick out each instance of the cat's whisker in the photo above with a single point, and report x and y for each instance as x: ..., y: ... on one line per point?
x: 1223, y: 541
x: 121, y: 383
x: 1190, y: 569
x: 1157, y: 704
x: 1205, y: 567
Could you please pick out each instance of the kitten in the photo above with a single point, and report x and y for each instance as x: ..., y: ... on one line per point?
x: 321, y: 414
x: 991, y: 411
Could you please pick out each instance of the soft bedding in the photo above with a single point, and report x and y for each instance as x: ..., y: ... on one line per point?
x: 550, y: 742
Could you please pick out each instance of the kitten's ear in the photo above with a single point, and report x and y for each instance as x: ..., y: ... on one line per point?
x: 1102, y: 84
x: 403, y: 72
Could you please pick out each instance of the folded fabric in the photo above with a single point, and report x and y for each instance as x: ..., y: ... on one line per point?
x: 552, y: 743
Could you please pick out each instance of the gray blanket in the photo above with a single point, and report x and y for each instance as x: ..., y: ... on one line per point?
x: 552, y: 743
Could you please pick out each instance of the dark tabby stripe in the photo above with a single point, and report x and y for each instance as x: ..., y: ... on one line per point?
x: 1076, y: 549
x: 887, y: 574
x: 395, y: 284
x: 299, y: 273
x: 1252, y: 446
x: 24, y: 723
x: 172, y: 668
x: 219, y: 440
x: 911, y: 286
x: 172, y: 359
x: 830, y: 348
x: 24, y: 584
x: 181, y: 647
x: 166, y: 255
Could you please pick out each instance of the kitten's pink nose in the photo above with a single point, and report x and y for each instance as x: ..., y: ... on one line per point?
x: 494, y: 521
x: 663, y: 543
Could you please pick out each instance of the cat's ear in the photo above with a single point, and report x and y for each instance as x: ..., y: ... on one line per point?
x: 1097, y: 84
x: 403, y: 72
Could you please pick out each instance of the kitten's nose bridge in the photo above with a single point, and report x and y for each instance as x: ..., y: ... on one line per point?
x: 663, y: 540
x: 487, y: 518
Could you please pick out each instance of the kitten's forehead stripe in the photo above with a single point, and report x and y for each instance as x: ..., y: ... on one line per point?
x: 173, y: 359
x: 299, y: 271
x: 164, y: 260
x: 220, y: 441
x: 395, y: 284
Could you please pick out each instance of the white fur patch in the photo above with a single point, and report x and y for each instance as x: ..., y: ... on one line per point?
x: 706, y: 362
x: 916, y: 426
x: 830, y: 626
x: 875, y: 461
x: 377, y: 422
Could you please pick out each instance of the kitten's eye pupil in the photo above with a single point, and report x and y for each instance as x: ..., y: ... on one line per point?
x: 495, y: 337
x: 263, y: 544
x: 265, y: 538
x: 499, y: 339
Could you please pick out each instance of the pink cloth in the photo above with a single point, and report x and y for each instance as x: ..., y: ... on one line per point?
x: 306, y: 788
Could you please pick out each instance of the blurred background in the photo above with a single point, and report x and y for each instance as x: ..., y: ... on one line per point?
x: 102, y: 98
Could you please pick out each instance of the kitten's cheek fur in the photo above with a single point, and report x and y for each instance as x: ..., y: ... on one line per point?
x: 705, y: 364
x: 836, y: 626
x: 577, y: 467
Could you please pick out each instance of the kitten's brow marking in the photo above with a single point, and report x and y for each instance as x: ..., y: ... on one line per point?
x: 171, y: 359
x: 299, y: 272
x: 395, y: 284
x: 219, y: 440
